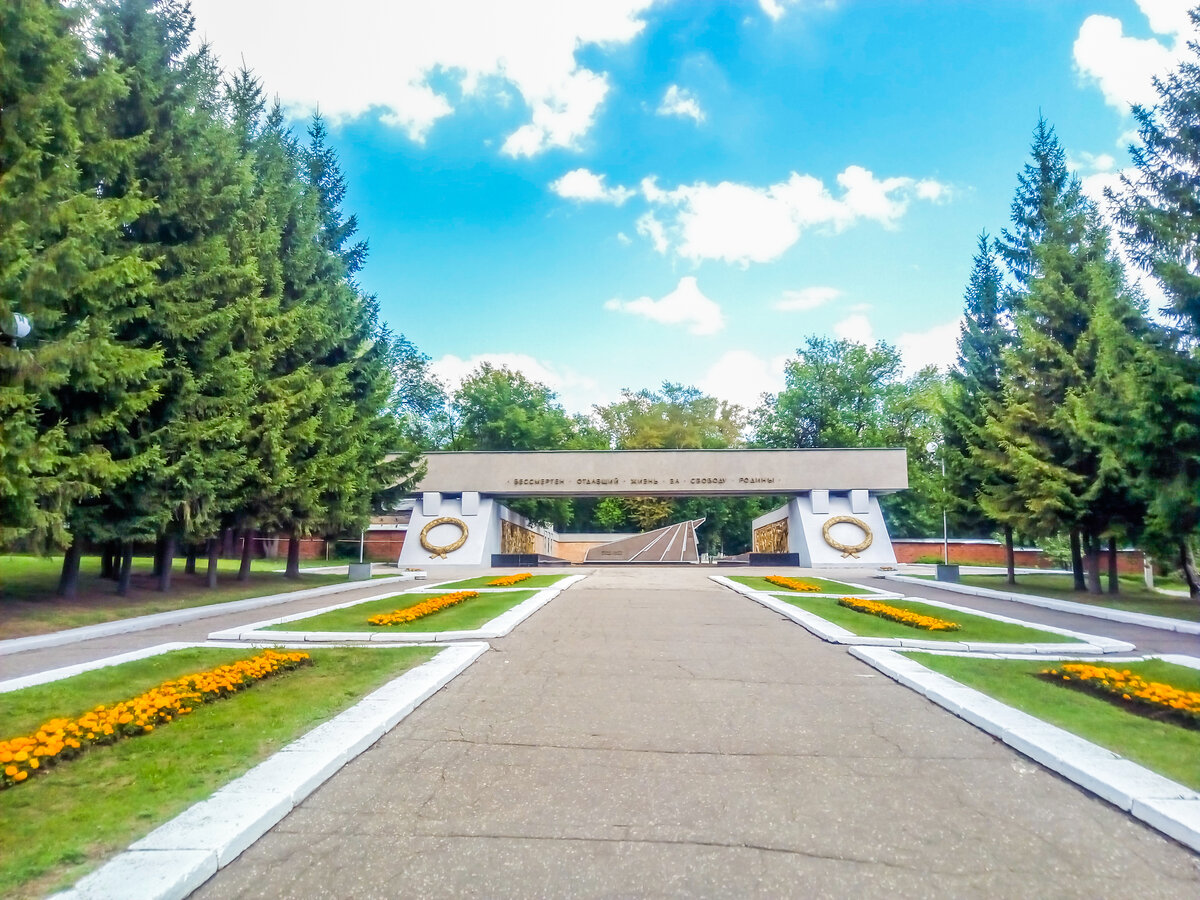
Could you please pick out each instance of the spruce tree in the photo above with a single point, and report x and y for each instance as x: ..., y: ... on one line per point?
x: 1042, y: 442
x: 1160, y: 221
x: 974, y: 386
x: 68, y: 392
x: 1158, y: 213
x: 199, y: 240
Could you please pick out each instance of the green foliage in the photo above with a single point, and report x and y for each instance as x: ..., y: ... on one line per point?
x: 1054, y: 442
x: 839, y: 393
x: 71, y: 387
x: 678, y: 417
x: 201, y: 357
x: 974, y: 386
x: 1158, y: 212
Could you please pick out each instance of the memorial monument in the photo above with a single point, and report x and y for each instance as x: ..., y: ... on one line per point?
x: 832, y: 516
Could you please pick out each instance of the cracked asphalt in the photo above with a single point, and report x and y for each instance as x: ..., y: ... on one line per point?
x: 650, y: 734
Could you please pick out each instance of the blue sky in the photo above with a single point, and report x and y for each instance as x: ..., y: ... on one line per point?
x: 614, y: 194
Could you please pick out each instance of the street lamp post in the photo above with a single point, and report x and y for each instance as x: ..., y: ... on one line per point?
x: 933, y: 447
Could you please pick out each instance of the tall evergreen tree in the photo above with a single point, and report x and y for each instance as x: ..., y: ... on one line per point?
x: 199, y: 239
x: 1158, y: 213
x: 1160, y: 221
x: 974, y: 386
x: 1044, y: 187
x: 1039, y: 442
x: 67, y: 392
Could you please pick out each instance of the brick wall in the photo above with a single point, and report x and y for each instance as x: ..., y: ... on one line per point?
x: 991, y: 553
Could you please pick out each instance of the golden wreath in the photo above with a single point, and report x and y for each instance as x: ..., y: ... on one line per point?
x: 441, y: 551
x: 847, y: 549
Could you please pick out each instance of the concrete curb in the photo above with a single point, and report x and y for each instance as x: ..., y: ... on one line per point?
x: 179, y: 856
x: 1082, y: 609
x: 1159, y: 802
x: 496, y: 628
x: 175, y: 616
x: 24, y: 681
x: 875, y: 592
x: 835, y: 634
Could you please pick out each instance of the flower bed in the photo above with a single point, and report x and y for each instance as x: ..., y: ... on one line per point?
x: 510, y: 580
x: 895, y: 614
x: 424, y: 608
x: 1122, y: 684
x: 793, y: 584
x: 62, y: 739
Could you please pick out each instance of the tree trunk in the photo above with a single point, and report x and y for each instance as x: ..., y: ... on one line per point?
x: 159, y: 547
x: 1114, y: 577
x: 108, y: 561
x: 247, y: 551
x: 214, y: 552
x: 1187, y: 562
x: 68, y: 581
x: 166, y: 563
x: 1077, y: 561
x: 293, y: 562
x: 189, y: 567
x: 1092, y: 545
x: 126, y: 570
x: 1010, y: 555
x: 227, y: 543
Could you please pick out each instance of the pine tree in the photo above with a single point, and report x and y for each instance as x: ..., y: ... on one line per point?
x: 68, y: 391
x: 974, y: 387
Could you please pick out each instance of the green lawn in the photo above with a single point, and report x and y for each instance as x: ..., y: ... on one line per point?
x: 537, y: 581
x: 463, y: 617
x: 974, y: 628
x: 760, y: 583
x: 1169, y: 749
x: 58, y: 826
x: 1134, y: 596
x: 28, y: 605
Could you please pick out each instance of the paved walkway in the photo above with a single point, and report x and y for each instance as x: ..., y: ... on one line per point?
x: 651, y: 734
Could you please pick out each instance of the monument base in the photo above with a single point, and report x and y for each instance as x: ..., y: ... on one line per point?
x: 827, y: 528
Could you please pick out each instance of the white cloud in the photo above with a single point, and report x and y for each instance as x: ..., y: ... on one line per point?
x: 855, y: 328
x: 685, y: 305
x: 586, y: 186
x: 742, y: 377
x: 680, y: 102
x: 1123, y: 66
x: 649, y: 226
x: 740, y: 223
x: 1091, y: 162
x: 936, y: 347
x: 404, y: 60
x: 775, y: 9
x: 807, y: 298
x: 623, y: 239
x: 576, y: 392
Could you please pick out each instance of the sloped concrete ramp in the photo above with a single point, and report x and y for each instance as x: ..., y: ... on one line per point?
x: 672, y: 544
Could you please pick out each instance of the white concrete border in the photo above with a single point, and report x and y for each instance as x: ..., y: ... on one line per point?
x: 874, y: 592
x: 835, y: 634
x: 1081, y: 609
x: 179, y: 856
x: 496, y: 628
x: 175, y: 616
x: 1161, y: 803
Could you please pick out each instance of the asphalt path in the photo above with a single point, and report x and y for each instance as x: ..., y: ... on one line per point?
x: 651, y: 734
